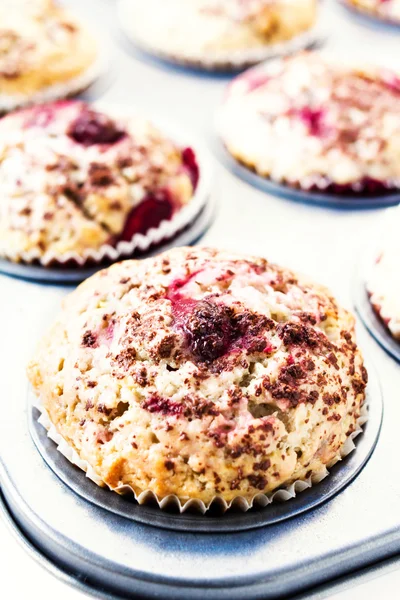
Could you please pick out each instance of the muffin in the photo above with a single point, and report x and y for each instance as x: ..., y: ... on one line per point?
x: 45, y: 53
x: 90, y: 179
x: 383, y: 284
x: 202, y: 374
x: 389, y: 10
x: 314, y: 125
x: 215, y: 31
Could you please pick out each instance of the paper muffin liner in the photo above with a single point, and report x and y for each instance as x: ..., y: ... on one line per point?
x: 65, y: 89
x: 183, y: 504
x: 227, y: 60
x: 165, y: 231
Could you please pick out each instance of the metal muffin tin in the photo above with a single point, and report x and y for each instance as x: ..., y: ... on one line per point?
x: 112, y: 556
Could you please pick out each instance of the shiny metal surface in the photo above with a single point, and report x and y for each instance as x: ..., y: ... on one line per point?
x: 357, y: 527
x: 341, y: 585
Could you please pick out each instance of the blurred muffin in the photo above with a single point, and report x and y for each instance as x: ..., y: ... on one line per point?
x: 201, y: 373
x: 73, y: 179
x: 45, y: 53
x: 312, y: 124
x: 197, y: 30
x: 383, y: 283
x: 389, y: 10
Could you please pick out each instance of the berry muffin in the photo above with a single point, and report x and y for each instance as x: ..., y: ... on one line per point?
x: 383, y: 283
x: 74, y: 179
x: 388, y: 10
x: 317, y: 126
x: 200, y: 373
x: 215, y: 31
x: 45, y: 53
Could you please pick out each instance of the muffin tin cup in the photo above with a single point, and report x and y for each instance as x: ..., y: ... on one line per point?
x: 269, y: 186
x: 140, y: 243
x: 369, y: 317
x: 183, y: 505
x: 223, y: 61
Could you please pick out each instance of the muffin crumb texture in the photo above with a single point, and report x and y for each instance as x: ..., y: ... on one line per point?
x: 201, y: 373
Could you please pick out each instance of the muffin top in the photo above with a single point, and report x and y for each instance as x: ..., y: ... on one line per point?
x: 41, y: 45
x: 215, y: 26
x: 90, y: 178
x: 202, y: 373
x: 312, y: 124
x: 384, y: 9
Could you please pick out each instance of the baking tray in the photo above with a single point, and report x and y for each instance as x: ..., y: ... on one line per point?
x: 190, y: 235
x: 269, y: 186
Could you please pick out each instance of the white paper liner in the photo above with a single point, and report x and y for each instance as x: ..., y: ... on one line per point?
x: 166, y: 230
x: 281, y: 495
x: 66, y: 89
x: 228, y: 60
